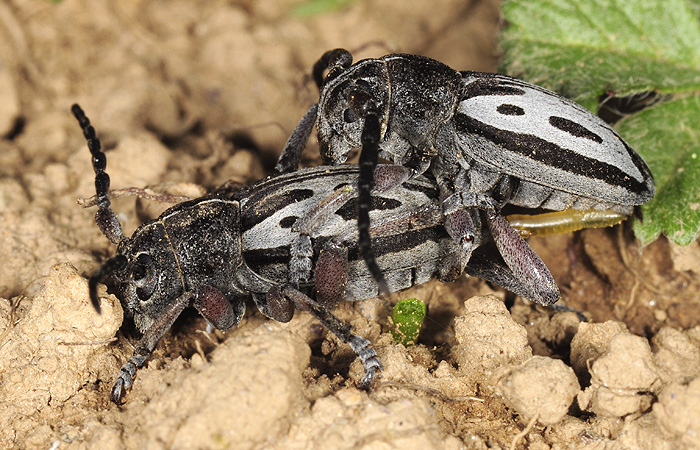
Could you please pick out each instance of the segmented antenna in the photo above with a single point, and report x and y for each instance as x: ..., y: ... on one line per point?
x: 106, y: 220
x: 336, y: 61
x: 369, y: 157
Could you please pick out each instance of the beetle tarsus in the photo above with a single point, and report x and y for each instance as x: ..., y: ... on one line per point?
x: 368, y: 356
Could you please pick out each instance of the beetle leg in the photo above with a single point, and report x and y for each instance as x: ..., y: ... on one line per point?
x: 331, y: 274
x: 460, y: 227
x: 466, y: 199
x: 218, y: 311
x: 387, y: 178
x: 459, y: 214
x: 147, y: 344
x: 527, y: 267
x: 331, y: 278
x: 498, y: 273
x: 301, y: 251
x: 276, y: 306
x: 361, y: 346
x: 291, y: 154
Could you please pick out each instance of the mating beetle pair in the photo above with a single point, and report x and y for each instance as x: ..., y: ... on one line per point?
x: 488, y: 139
x: 289, y: 241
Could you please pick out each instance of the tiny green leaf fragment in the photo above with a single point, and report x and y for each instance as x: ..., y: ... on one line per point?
x: 408, y: 317
x: 315, y: 7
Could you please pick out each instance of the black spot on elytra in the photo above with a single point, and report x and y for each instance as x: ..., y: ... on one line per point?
x: 288, y: 221
x: 298, y: 195
x: 349, y: 210
x: 510, y: 110
x: 574, y: 129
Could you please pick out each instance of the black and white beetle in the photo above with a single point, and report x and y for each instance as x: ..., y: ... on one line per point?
x: 488, y: 139
x: 289, y: 242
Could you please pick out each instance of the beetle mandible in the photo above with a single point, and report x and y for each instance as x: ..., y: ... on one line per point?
x: 488, y: 139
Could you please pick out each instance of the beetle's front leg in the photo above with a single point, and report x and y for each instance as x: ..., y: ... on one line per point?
x: 330, y: 279
x: 300, y: 253
x: 147, y: 344
x: 217, y: 310
x: 291, y: 154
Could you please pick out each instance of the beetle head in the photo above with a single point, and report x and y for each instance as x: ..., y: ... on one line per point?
x: 193, y: 247
x: 144, y: 275
x: 344, y: 103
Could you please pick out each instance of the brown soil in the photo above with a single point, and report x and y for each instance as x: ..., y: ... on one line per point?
x: 195, y: 93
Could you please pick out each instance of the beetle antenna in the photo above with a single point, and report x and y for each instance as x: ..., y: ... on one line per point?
x: 335, y: 61
x: 368, y: 162
x: 106, y: 220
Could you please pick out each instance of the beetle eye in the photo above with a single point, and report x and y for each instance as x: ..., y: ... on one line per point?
x: 142, y: 267
x: 360, y: 102
x: 349, y: 116
x: 143, y: 275
x: 363, y: 85
x: 139, y: 272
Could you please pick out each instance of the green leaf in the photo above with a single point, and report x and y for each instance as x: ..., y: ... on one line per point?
x: 670, y: 136
x: 408, y: 317
x: 585, y: 49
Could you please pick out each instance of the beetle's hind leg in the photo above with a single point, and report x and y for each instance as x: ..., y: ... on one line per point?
x: 522, y: 260
x: 524, y: 263
x: 361, y: 346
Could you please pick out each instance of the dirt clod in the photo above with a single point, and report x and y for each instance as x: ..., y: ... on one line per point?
x: 622, y: 378
x: 541, y: 387
x: 488, y: 338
